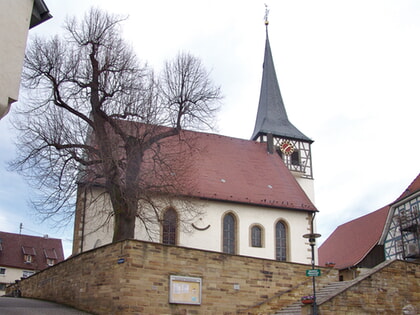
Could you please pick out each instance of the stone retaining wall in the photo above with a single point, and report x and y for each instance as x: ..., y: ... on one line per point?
x: 394, y: 289
x: 132, y: 277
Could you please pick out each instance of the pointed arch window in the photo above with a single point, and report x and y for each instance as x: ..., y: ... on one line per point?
x: 169, y: 227
x: 229, y: 234
x: 281, y: 241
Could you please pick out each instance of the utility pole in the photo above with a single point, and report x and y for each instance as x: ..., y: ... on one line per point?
x: 312, y: 241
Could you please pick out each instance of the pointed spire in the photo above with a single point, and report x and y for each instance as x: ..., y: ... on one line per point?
x: 271, y: 116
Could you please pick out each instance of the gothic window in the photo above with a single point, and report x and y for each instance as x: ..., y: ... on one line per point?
x: 256, y: 236
x: 169, y: 228
x: 281, y: 241
x: 229, y: 234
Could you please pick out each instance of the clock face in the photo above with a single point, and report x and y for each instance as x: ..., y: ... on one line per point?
x: 286, y: 147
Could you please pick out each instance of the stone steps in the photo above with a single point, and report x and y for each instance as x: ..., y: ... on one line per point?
x: 331, y: 290
x: 323, y: 294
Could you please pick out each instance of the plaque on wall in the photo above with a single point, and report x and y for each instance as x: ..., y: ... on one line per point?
x: 184, y: 290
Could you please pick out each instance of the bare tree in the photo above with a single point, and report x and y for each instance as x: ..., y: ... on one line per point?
x: 95, y: 114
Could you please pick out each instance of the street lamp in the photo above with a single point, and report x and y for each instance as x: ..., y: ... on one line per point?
x: 312, y: 241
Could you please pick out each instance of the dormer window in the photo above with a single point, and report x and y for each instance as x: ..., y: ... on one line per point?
x: 29, y: 254
x: 27, y: 259
x: 50, y: 256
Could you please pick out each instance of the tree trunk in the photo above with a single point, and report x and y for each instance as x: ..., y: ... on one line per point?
x: 124, y: 227
x: 124, y: 219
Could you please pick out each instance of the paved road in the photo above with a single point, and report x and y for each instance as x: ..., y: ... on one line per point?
x: 23, y: 306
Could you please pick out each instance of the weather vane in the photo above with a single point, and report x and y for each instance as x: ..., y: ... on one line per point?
x: 266, y: 14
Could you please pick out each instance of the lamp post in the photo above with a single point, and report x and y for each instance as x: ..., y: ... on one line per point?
x: 312, y: 241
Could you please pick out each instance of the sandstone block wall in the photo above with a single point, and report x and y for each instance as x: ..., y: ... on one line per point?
x: 99, y: 282
x: 395, y: 289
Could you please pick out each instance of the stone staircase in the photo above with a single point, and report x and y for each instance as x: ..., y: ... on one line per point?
x: 331, y: 290
x: 323, y: 294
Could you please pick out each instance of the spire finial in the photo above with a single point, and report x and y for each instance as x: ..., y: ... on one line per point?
x: 266, y: 15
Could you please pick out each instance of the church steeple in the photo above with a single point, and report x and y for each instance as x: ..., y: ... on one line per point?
x: 272, y: 116
x: 273, y: 126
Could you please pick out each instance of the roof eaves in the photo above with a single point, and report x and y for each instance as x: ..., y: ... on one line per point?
x: 306, y: 208
x: 40, y: 13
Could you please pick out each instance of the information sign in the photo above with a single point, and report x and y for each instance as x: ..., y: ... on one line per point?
x: 313, y: 272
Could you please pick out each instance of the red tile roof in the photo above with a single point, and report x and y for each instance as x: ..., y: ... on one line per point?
x: 217, y: 167
x: 413, y: 188
x: 352, y: 241
x: 237, y: 170
x: 15, y: 246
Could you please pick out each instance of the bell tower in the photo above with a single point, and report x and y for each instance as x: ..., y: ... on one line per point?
x: 273, y: 127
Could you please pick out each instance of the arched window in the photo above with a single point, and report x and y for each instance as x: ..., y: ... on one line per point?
x: 256, y: 236
x: 170, y: 223
x: 281, y: 241
x: 229, y: 234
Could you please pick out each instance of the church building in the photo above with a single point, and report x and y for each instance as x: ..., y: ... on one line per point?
x: 255, y: 197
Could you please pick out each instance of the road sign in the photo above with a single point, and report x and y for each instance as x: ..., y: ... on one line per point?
x: 313, y: 272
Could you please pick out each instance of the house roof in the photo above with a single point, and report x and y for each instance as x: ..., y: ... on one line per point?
x: 272, y: 116
x: 349, y: 244
x: 237, y: 170
x: 215, y: 167
x: 15, y: 246
x: 40, y: 13
x: 411, y: 189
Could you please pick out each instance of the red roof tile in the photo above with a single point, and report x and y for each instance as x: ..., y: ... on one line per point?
x: 15, y: 246
x: 219, y: 168
x: 236, y: 170
x: 352, y: 241
x: 414, y: 187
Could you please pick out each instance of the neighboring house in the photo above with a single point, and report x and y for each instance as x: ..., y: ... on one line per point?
x: 23, y: 255
x: 391, y: 232
x: 355, y: 245
x: 255, y: 197
x: 16, y: 17
x: 401, y: 236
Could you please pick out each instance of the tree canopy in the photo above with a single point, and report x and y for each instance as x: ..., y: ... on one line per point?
x: 95, y: 114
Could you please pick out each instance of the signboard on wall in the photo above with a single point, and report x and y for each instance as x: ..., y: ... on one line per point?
x: 184, y: 290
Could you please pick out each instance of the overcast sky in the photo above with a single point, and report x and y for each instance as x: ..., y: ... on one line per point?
x: 349, y: 73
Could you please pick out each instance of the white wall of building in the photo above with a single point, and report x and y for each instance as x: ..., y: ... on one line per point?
x: 307, y: 185
x: 99, y: 228
x: 12, y: 274
x: 15, y: 17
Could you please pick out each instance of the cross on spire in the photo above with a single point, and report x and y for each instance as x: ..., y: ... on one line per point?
x: 266, y: 15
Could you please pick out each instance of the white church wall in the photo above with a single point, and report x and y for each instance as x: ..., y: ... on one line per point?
x: 14, y: 21
x: 247, y: 216
x: 208, y: 232
x: 307, y: 185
